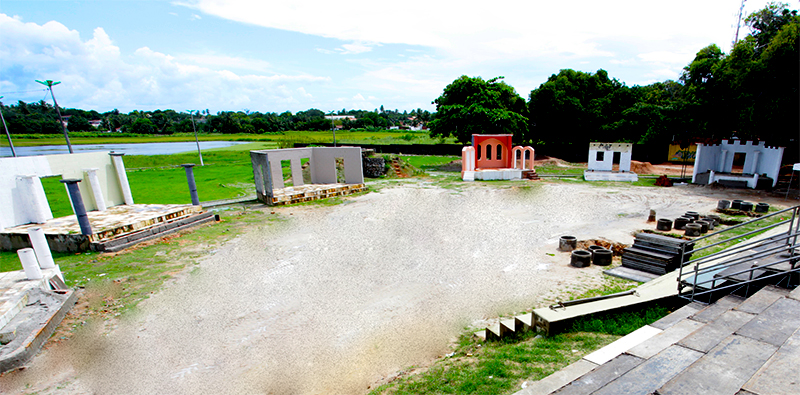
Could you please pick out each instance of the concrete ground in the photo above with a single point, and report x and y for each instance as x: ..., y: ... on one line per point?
x: 337, y: 298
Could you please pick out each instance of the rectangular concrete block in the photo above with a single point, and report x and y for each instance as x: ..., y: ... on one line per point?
x: 759, y: 301
x: 723, y: 370
x: 711, y: 334
x: 779, y: 376
x: 715, y: 310
x: 775, y: 324
x: 622, y: 345
x: 601, y: 375
x: 670, y: 336
x: 653, y: 373
x: 558, y: 379
x: 678, y: 315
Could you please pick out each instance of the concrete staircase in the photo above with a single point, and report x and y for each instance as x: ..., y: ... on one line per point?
x: 124, y: 240
x: 398, y: 170
x: 735, y: 346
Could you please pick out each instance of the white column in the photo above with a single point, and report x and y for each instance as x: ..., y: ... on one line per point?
x: 122, y: 177
x: 97, y: 193
x: 32, y: 194
x: 41, y: 248
x: 722, y: 158
x: 754, y: 163
x: 29, y: 264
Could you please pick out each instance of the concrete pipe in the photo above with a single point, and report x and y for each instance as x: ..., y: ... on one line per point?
x: 41, y: 248
x: 762, y: 207
x: 735, y: 204
x: 664, y: 224
x: 581, y: 258
x: 709, y: 221
x: 693, y: 215
x: 716, y: 219
x: 680, y: 223
x: 746, y: 206
x: 602, y: 257
x: 723, y: 204
x: 693, y: 229
x: 28, y: 258
x: 703, y: 226
x: 567, y: 243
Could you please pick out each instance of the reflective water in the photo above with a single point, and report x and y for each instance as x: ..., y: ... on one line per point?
x: 129, y: 149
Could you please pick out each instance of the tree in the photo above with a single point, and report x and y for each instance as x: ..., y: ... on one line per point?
x: 143, y: 126
x: 470, y: 105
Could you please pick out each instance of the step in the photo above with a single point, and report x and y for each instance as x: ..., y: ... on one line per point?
x: 665, y: 339
x: 710, y: 313
x: 601, y: 376
x: 724, y: 370
x: 795, y: 294
x: 154, y: 229
x: 154, y: 233
x: 779, y: 375
x: 512, y: 325
x: 728, y: 273
x: 558, y: 379
x: 714, y: 332
x: 653, y: 373
x: 762, y: 299
x: 775, y: 324
x: 622, y: 345
x: 678, y: 315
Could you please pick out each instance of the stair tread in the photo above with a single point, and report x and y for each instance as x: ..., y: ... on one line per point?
x: 714, y: 332
x: 762, y: 299
x: 779, y: 374
x: 775, y: 324
x: 715, y: 310
x: 723, y: 370
x: 601, y: 376
x: 653, y: 373
x: 665, y: 339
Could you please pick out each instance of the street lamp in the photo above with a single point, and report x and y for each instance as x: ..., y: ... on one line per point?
x: 49, y: 84
x: 10, y: 144
x: 191, y: 114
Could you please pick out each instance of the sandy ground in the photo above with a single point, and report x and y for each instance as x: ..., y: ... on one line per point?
x: 337, y: 298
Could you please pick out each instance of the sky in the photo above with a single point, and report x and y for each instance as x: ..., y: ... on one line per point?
x: 276, y: 56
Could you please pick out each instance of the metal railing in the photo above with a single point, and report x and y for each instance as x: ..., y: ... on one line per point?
x: 710, y: 265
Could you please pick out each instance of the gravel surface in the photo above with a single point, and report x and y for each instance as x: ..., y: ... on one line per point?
x: 337, y: 298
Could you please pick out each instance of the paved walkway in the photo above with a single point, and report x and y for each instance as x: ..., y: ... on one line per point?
x: 735, y: 346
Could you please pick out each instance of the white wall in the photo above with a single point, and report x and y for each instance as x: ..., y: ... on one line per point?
x: 13, y: 200
x: 608, y: 150
x: 759, y: 158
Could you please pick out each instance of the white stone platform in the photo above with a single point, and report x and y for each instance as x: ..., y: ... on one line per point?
x: 492, y: 174
x: 596, y: 175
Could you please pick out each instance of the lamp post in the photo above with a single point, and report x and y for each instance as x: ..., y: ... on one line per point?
x: 10, y: 144
x: 49, y: 84
x: 191, y: 114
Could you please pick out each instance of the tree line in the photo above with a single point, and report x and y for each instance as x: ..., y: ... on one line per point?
x: 41, y: 118
x: 750, y: 93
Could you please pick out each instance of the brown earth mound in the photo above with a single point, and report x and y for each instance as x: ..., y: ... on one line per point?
x: 642, y: 167
x: 616, y: 248
x: 546, y: 160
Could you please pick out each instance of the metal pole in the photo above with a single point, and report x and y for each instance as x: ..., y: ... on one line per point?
x: 192, y: 186
x: 77, y: 204
x: 191, y: 114
x: 8, y: 134
x: 49, y: 84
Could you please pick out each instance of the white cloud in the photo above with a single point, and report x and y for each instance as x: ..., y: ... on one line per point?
x: 95, y: 75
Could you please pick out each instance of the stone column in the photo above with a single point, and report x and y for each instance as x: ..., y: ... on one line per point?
x: 29, y: 264
x: 192, y: 186
x: 35, y: 201
x: 97, y: 192
x: 122, y: 177
x: 77, y: 205
x: 41, y: 248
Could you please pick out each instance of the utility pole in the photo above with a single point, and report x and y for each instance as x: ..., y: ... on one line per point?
x: 10, y: 144
x: 738, y: 25
x: 191, y: 114
x: 49, y: 84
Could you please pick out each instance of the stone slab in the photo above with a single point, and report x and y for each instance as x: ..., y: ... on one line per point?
x: 630, y: 274
x: 622, y: 345
x: 601, y: 376
x: 795, y: 294
x: 759, y: 301
x: 723, y: 370
x: 779, y: 375
x: 668, y: 337
x: 558, y: 379
x: 711, y: 334
x: 775, y: 324
x: 715, y: 310
x: 678, y: 315
x: 653, y: 373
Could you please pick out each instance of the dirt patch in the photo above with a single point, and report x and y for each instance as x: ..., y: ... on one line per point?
x: 546, y: 160
x: 616, y: 248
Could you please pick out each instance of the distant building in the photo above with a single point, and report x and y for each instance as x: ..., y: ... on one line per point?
x: 340, y: 117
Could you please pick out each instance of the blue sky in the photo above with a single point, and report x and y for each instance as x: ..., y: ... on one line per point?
x: 267, y: 56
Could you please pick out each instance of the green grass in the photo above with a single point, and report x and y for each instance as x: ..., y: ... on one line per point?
x: 736, y: 232
x: 501, y: 367
x: 308, y: 137
x: 430, y: 162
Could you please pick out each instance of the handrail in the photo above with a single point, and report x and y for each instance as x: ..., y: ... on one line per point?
x: 575, y: 302
x: 790, y: 236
